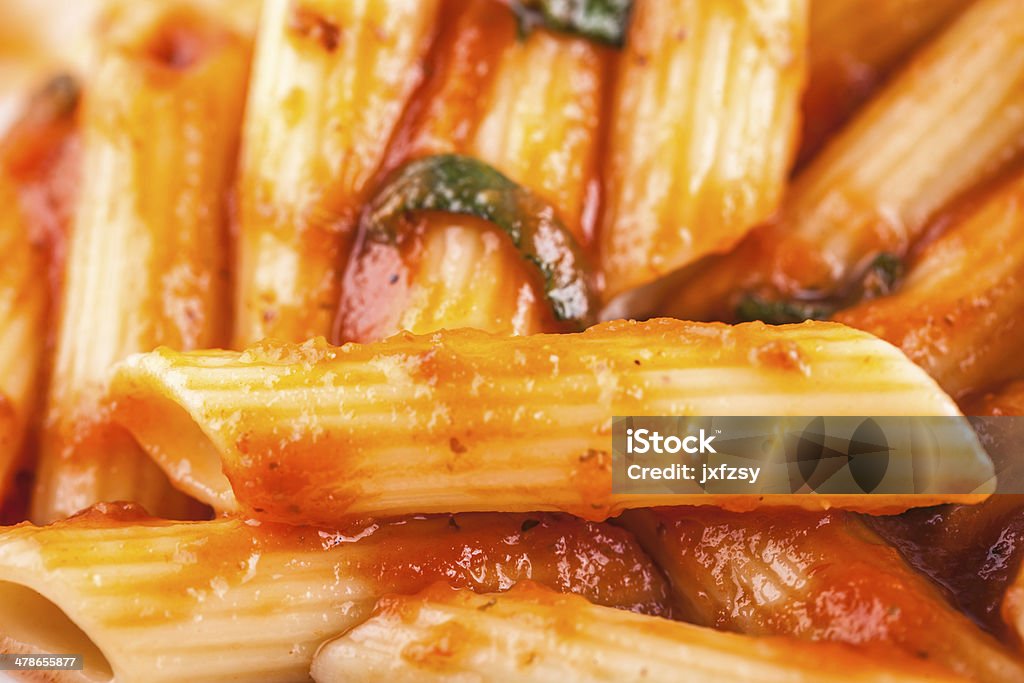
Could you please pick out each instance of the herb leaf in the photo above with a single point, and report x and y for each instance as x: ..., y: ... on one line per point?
x: 461, y: 185
x: 603, y: 21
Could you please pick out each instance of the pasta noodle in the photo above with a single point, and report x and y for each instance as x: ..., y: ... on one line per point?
x: 531, y: 109
x: 854, y: 45
x: 40, y: 156
x: 960, y: 312
x: 533, y: 634
x: 147, y: 260
x: 446, y: 423
x: 790, y: 572
x: 231, y: 600
x: 330, y: 81
x: 22, y: 318
x: 332, y: 348
x: 455, y: 271
x: 38, y: 175
x: 703, y: 130
x: 918, y: 144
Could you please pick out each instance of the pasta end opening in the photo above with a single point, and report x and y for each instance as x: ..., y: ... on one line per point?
x: 33, y: 625
x: 175, y: 441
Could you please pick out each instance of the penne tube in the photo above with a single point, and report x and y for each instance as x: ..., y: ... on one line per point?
x: 530, y: 108
x: 530, y: 633
x: 812, y: 576
x: 703, y: 129
x: 331, y: 79
x: 462, y: 420
x: 23, y: 306
x: 540, y: 122
x: 917, y: 146
x: 854, y: 46
x: 40, y: 154
x: 959, y: 313
x: 232, y: 600
x: 455, y: 271
x: 39, y: 166
x: 528, y: 105
x: 147, y: 260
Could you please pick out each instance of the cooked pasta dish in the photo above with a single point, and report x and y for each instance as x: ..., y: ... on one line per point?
x: 336, y: 337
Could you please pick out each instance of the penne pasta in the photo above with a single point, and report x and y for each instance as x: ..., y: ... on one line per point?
x: 531, y: 109
x: 854, y: 46
x: 813, y: 576
x: 540, y: 122
x: 39, y: 166
x: 302, y: 375
x: 229, y: 600
x: 960, y: 312
x: 918, y: 145
x: 454, y: 271
x: 147, y: 260
x: 462, y: 420
x: 330, y: 81
x: 528, y: 105
x: 40, y: 154
x: 530, y: 633
x: 703, y: 129
x: 23, y: 302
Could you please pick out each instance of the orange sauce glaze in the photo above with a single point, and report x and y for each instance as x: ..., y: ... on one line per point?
x: 13, y: 500
x: 452, y: 646
x: 817, y: 576
x: 972, y: 552
x: 441, y: 117
x: 485, y: 552
x: 829, y: 102
x: 41, y: 153
x: 380, y: 278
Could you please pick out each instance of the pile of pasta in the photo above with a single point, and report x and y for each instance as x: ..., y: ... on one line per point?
x: 315, y: 314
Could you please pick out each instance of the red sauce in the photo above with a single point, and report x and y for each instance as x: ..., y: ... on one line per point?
x: 490, y: 552
x: 484, y: 552
x: 829, y: 102
x: 375, y: 293
x: 443, y: 113
x: 314, y: 26
x: 817, y: 576
x: 41, y: 152
x: 15, y: 479
x: 972, y: 552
